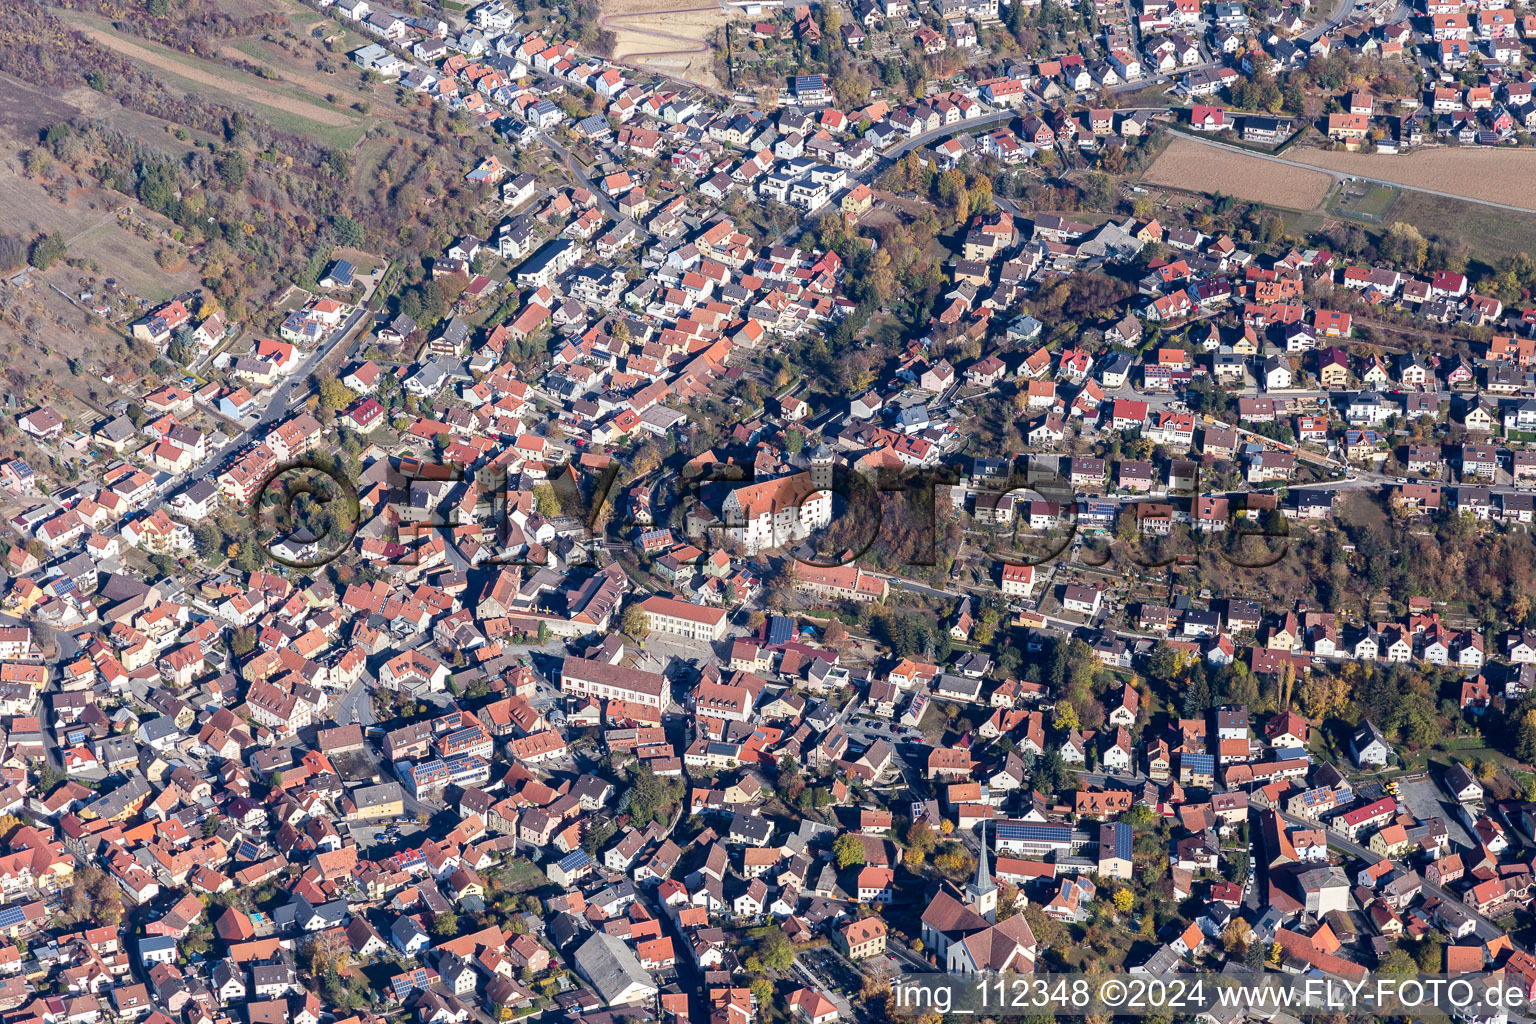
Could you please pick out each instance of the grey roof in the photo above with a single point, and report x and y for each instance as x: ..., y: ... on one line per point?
x: 974, y: 661
x: 405, y: 930
x: 157, y: 729
x: 1368, y: 733
x: 373, y: 796
x: 610, y: 966
x: 1321, y: 878
x: 456, y: 331
x: 950, y: 683
x: 430, y: 373
x: 119, y: 429
x: 272, y: 974
x: 750, y: 826
x: 200, y: 490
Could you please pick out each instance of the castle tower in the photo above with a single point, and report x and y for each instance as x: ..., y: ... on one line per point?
x: 821, y: 467
x: 982, y: 892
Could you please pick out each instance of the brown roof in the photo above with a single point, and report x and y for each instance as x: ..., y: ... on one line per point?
x: 1463, y: 959
x: 857, y: 932
x: 948, y: 915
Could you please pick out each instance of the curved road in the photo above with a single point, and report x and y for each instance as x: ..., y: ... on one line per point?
x: 1485, y: 929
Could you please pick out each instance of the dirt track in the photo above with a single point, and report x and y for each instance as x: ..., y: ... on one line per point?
x: 1505, y: 176
x: 230, y: 85
x: 692, y: 26
x: 694, y: 45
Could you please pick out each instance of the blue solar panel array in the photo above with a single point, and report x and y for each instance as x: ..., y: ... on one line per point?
x: 1122, y: 840
x: 1029, y: 832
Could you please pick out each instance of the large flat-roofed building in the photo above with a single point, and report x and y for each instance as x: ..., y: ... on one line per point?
x: 614, y: 971
x: 1023, y: 837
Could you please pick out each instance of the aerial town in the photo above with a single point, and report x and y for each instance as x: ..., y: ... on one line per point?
x: 607, y: 514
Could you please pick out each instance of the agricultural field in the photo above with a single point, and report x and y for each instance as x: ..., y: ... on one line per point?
x: 118, y: 238
x: 291, y: 107
x: 1490, y: 233
x: 251, y: 8
x: 1190, y: 165
x: 1505, y: 176
x: 26, y: 110
x: 672, y: 37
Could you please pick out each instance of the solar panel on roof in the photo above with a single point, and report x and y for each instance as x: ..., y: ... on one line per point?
x: 1033, y: 833
x: 10, y: 916
x: 1122, y: 840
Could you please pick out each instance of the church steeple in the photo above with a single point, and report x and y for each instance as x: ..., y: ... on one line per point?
x: 982, y: 892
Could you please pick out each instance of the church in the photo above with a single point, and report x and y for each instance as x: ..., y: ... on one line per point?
x: 962, y: 929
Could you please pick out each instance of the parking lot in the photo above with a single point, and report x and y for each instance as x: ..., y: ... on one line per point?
x: 355, y: 766
x: 1426, y: 799
x: 881, y: 727
x: 382, y: 836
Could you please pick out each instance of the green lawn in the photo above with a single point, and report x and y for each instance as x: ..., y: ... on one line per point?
x: 1297, y: 223
x: 1490, y: 233
x: 1457, y: 748
x: 525, y: 876
x: 1374, y: 205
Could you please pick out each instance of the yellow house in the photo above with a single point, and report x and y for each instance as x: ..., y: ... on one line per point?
x: 1248, y: 344
x: 969, y: 272
x: 136, y: 655
x: 170, y: 458
x: 747, y: 791
x: 115, y: 435
x: 1390, y: 841
x: 1364, y: 448
x: 860, y: 940
x: 1283, y: 637
x: 24, y: 596
x: 859, y: 199
x: 1333, y: 369
x: 368, y: 802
